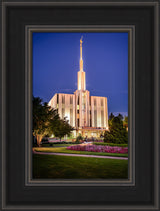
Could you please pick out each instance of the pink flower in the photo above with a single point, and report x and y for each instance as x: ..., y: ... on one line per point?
x: 99, y: 148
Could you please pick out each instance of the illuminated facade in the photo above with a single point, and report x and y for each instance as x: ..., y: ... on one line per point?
x: 87, y: 114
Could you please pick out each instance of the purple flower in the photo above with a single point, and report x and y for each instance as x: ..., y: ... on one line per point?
x: 99, y: 148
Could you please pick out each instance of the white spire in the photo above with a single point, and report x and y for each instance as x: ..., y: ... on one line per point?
x: 81, y: 60
x: 81, y: 73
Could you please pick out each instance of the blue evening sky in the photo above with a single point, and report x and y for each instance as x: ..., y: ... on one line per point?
x: 105, y: 61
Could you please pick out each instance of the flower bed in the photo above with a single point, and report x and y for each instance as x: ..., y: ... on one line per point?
x: 98, y: 148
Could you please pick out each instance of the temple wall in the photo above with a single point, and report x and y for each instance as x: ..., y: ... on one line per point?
x: 99, y: 112
x: 65, y: 103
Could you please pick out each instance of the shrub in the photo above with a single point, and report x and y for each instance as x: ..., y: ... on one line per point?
x: 79, y: 139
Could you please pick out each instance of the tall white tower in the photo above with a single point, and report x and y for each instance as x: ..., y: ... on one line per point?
x: 82, y: 96
x: 81, y: 73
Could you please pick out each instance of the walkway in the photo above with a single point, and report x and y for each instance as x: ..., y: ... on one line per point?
x: 79, y: 155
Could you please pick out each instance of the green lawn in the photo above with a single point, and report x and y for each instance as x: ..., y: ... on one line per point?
x: 64, y: 167
x: 64, y: 150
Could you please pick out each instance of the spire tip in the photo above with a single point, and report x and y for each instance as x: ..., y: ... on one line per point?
x: 81, y: 38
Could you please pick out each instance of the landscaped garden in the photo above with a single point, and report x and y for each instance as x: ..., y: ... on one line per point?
x: 69, y: 167
x: 64, y: 164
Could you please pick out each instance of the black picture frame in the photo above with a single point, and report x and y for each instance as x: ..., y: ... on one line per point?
x: 143, y: 191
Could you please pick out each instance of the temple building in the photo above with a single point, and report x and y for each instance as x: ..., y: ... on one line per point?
x: 87, y: 114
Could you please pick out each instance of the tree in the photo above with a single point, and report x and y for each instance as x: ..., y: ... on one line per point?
x: 62, y: 128
x: 42, y: 115
x: 111, y: 116
x: 120, y: 116
x: 117, y: 132
x: 117, y: 124
x: 125, y: 122
x: 53, y: 123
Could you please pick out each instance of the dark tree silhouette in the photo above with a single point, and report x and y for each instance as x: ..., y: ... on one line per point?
x: 111, y: 116
x: 63, y: 128
x: 117, y: 132
x: 120, y: 116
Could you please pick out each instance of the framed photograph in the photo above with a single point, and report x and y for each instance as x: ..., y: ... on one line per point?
x: 80, y: 105
x: 85, y: 128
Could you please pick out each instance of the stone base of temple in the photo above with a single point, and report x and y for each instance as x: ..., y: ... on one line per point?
x: 90, y: 132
